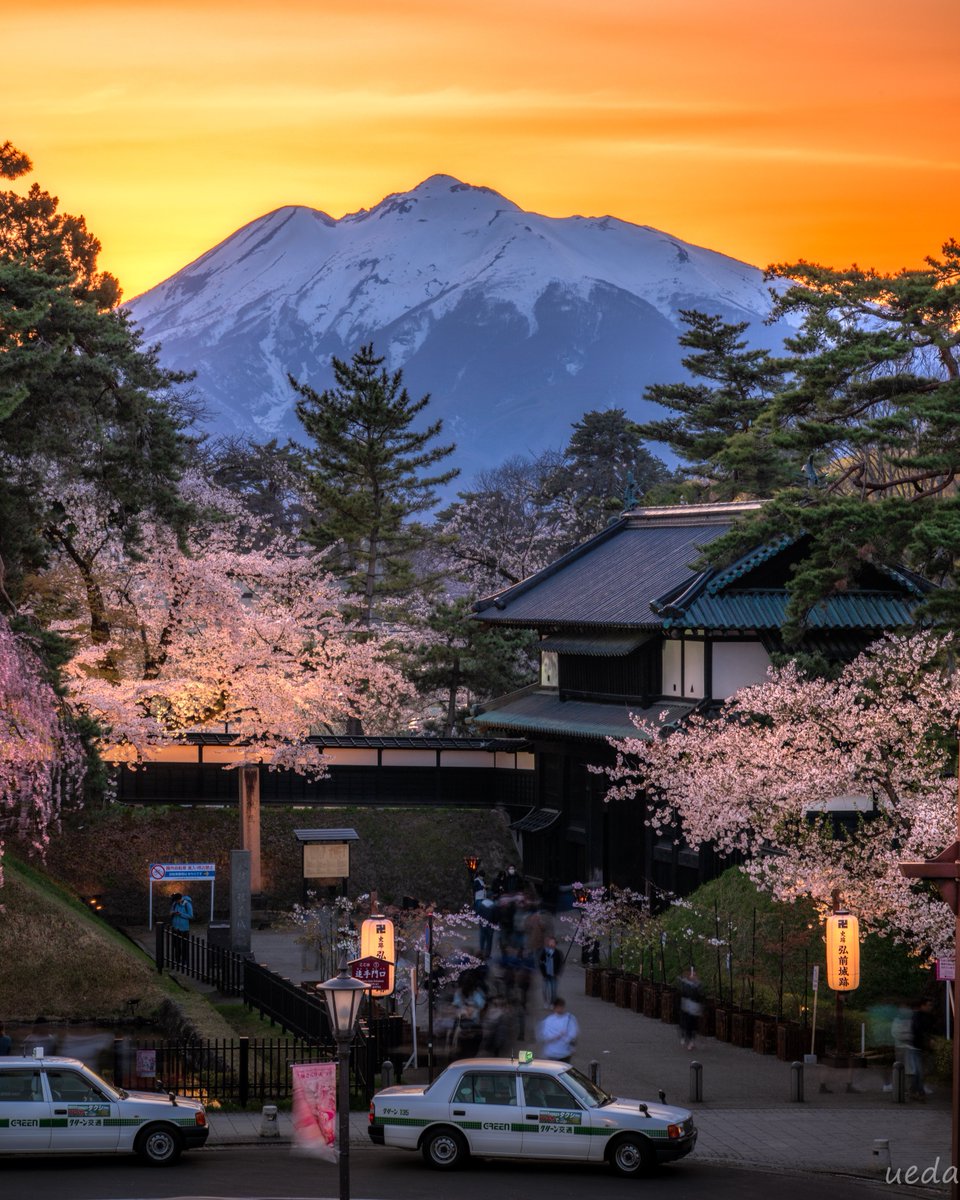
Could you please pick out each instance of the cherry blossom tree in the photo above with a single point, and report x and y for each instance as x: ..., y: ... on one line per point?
x: 42, y: 763
x: 759, y: 778
x: 232, y: 630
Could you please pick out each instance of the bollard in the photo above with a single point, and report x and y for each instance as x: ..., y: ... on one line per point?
x: 899, y: 1084
x: 594, y: 1072
x: 386, y: 1073
x: 796, y: 1082
x: 696, y: 1082
x: 269, y: 1125
x: 881, y: 1153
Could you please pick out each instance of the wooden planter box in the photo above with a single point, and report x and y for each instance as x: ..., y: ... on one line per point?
x: 622, y: 991
x: 670, y: 1006
x: 708, y: 1019
x: 591, y: 981
x: 793, y: 1042
x: 741, y: 1029
x: 651, y: 1000
x: 636, y: 996
x: 721, y: 1023
x: 765, y: 1035
x: 608, y: 985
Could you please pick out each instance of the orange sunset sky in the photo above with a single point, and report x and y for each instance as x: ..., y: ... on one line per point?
x: 826, y: 129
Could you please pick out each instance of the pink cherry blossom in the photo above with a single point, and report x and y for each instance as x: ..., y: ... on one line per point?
x: 756, y: 780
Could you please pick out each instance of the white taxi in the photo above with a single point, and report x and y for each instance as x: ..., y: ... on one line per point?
x: 58, y: 1105
x: 502, y: 1108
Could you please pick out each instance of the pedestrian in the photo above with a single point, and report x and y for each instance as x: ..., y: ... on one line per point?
x: 551, y: 965
x: 901, y: 1030
x: 559, y: 1032
x: 498, y: 1026
x: 468, y: 1003
x: 691, y: 1006
x: 485, y: 911
x: 921, y: 1022
x: 6, y: 1042
x: 181, y: 914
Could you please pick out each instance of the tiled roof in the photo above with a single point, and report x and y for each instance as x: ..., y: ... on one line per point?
x: 540, y: 711
x: 766, y: 609
x: 611, y: 580
x: 602, y: 645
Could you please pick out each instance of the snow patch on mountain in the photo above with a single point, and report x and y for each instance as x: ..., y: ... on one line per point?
x: 515, y: 322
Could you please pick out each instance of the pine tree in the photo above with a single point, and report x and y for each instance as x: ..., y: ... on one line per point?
x: 459, y: 662
x: 605, y: 468
x: 367, y: 474
x: 82, y: 402
x: 720, y: 432
x: 869, y: 403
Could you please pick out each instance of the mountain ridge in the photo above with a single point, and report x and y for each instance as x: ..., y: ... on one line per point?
x: 516, y: 323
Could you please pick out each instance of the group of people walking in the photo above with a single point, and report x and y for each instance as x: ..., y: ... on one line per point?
x: 490, y: 1006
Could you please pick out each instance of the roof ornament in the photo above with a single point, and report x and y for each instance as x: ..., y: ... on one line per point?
x: 810, y: 472
x: 630, y: 498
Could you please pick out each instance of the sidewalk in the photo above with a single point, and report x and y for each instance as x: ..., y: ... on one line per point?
x: 746, y: 1116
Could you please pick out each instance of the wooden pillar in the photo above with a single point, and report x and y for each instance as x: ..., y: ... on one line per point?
x: 250, y: 823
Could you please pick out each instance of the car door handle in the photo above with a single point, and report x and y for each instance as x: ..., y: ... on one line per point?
x: 459, y: 1112
x: 533, y: 1116
x: 59, y: 1112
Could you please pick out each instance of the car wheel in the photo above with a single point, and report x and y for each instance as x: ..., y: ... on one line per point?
x: 159, y: 1145
x: 632, y: 1156
x: 445, y: 1150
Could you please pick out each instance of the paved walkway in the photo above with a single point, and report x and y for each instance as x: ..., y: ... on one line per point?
x: 746, y: 1116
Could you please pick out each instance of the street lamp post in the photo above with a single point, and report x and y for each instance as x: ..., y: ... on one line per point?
x: 343, y: 995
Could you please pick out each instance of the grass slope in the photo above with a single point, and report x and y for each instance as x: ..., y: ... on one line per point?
x: 60, y: 962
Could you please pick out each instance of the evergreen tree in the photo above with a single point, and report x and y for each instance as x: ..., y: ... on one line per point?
x: 82, y: 403
x: 870, y: 405
x: 720, y: 431
x: 367, y: 474
x: 605, y: 468
x: 459, y: 662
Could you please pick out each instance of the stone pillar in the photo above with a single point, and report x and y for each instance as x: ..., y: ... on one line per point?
x: 250, y: 823
x: 240, y: 901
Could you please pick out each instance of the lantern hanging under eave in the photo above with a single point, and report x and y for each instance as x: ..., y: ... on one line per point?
x: 843, y: 952
x: 377, y: 941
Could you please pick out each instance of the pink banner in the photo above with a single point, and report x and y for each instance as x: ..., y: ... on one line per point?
x: 315, y: 1109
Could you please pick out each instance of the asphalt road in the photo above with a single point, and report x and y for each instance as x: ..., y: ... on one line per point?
x: 261, y: 1172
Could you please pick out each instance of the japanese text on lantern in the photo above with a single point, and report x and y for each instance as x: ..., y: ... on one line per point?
x: 843, y: 952
x: 377, y: 941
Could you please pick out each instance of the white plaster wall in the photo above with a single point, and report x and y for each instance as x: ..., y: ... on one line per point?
x: 737, y: 664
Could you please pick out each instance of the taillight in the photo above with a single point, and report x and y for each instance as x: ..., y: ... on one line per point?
x: 370, y: 1117
x: 200, y: 1117
x: 674, y: 1131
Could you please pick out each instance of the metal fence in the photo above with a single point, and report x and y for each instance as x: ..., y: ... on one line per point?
x: 238, y: 1071
x: 188, y: 955
x: 254, y: 1068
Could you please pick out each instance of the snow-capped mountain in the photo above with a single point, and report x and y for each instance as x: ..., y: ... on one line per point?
x: 515, y: 323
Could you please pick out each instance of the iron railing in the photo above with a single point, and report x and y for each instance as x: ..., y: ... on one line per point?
x: 189, y: 955
x: 252, y: 1068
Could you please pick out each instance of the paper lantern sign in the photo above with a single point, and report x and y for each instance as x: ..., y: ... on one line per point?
x: 843, y: 952
x: 377, y: 941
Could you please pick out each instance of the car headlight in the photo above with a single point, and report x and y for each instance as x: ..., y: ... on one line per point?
x: 674, y: 1131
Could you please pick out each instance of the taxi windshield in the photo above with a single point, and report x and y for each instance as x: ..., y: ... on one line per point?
x: 587, y: 1092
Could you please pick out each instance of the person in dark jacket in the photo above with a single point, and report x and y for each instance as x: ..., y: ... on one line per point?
x: 551, y: 968
x: 691, y: 1005
x: 921, y: 1027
